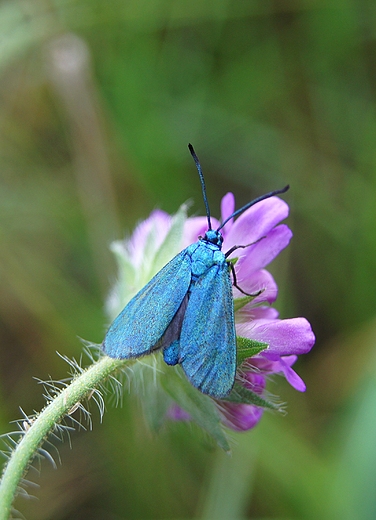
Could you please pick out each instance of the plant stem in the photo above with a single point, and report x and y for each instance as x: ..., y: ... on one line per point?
x: 44, y: 423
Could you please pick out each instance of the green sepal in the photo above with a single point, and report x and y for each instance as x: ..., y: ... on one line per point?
x: 146, y: 375
x: 232, y: 261
x: 239, y: 303
x: 155, y: 406
x: 200, y: 407
x: 246, y: 348
x: 242, y: 395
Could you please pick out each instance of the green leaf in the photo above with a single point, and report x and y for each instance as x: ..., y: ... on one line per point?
x: 200, y: 407
x: 247, y: 348
x: 242, y: 395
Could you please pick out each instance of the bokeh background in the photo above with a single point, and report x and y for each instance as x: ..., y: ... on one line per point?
x: 98, y: 100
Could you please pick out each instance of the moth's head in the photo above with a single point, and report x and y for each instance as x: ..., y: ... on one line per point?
x: 213, y: 237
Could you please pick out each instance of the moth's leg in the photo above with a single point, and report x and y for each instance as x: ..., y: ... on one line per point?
x: 235, y: 283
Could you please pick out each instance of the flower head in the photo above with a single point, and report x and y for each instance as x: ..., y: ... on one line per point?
x: 271, y: 344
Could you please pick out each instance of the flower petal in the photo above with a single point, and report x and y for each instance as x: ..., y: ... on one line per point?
x: 261, y: 313
x: 195, y: 227
x: 241, y: 417
x: 284, y: 337
x: 261, y: 254
x: 279, y: 365
x: 256, y: 222
x: 227, y: 209
x: 249, y: 312
x: 254, y: 282
x: 155, y: 227
x: 292, y: 377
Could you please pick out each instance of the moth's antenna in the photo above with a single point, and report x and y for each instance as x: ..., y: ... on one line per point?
x: 198, y: 166
x: 255, y: 201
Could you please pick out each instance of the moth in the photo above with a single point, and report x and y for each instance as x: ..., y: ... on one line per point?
x: 187, y: 310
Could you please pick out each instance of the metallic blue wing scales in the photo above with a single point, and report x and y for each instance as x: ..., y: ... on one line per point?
x: 144, y: 320
x: 207, y: 339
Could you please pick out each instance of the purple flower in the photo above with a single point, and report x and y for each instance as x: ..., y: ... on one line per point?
x: 156, y: 240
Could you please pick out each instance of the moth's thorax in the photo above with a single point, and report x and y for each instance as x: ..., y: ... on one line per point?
x: 204, y: 255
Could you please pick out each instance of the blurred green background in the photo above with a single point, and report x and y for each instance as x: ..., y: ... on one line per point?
x: 98, y: 100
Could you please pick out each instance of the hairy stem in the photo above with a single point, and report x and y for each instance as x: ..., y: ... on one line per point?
x: 44, y: 423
